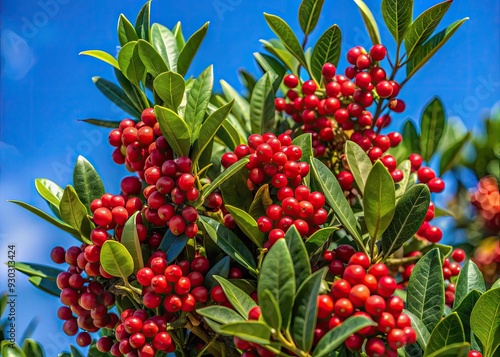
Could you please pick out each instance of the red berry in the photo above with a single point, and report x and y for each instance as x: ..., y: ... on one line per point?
x: 291, y: 81
x: 344, y: 252
x: 345, y: 179
x: 359, y: 294
x: 340, y: 289
x: 384, y: 89
x: 375, y: 347
x: 58, y: 255
x: 200, y: 264
x: 396, y: 338
x: 354, y: 342
x: 343, y: 307
x: 379, y: 270
x: 218, y: 294
x: 375, y: 305
x: 336, y: 267
x: 436, y: 185
x: 254, y: 313
x: 360, y: 258
x: 325, y: 306
x: 354, y: 274
x: 162, y: 341
x: 309, y: 87
x: 433, y: 234
x: 328, y: 70
x: 458, y: 255
x: 378, y: 52
x: 386, y: 286
x: 386, y: 322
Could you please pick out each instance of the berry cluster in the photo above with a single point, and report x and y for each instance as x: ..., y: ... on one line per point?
x: 85, y: 300
x: 362, y: 289
x: 486, y: 199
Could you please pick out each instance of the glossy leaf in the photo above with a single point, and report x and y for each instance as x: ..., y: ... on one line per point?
x: 318, y: 238
x: 50, y: 191
x: 411, y: 140
x: 116, y: 95
x: 221, y: 268
x: 286, y: 35
x: 298, y: 252
x: 179, y: 37
x: 229, y: 243
x: 305, y: 310
x: 247, y: 224
x: 445, y: 250
x: 398, y: 15
x: 189, y: 50
x: 402, y: 185
x: 327, y: 49
x: 174, y: 129
x: 164, y: 42
x: 130, y: 63
x: 460, y: 349
x: 309, y: 12
x: 220, y: 314
x: 101, y: 55
x: 48, y: 286
x: 233, y: 195
x: 170, y: 88
x: 269, y: 305
x: 423, y: 26
x: 328, y: 184
x: 452, y: 153
x: 226, y: 175
x: 425, y: 52
x: 379, y: 200
x: 408, y: 217
x: 470, y: 278
x: 485, y: 321
x: 240, y: 300
x: 261, y: 202
x: 432, y: 127
x: 359, y: 163
x: 10, y: 350
x: 74, y: 213
x: 151, y: 59
x: 33, y: 269
x: 209, y: 128
x: 32, y: 348
x: 336, y: 337
x: 87, y: 182
x: 251, y: 331
x: 369, y: 20
x: 142, y: 22
x: 277, y: 275
x: 464, y: 310
x: 241, y: 106
x: 126, y: 31
x: 447, y: 332
x: 133, y: 92
x: 276, y: 48
x: 130, y: 239
x: 113, y: 124
x: 116, y: 260
x: 173, y: 245
x: 197, y: 101
x: 273, y: 66
x: 425, y: 297
x: 422, y: 333
x: 262, y: 110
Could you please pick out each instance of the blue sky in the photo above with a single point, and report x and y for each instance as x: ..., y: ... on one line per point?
x: 46, y: 87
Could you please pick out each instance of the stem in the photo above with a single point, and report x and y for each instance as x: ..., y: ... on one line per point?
x: 261, y: 258
x: 207, y: 345
x: 214, y: 347
x: 290, y: 345
x: 178, y: 343
x: 401, y: 261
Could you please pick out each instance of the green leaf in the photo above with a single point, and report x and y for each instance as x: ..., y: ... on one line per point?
x: 130, y: 63
x: 133, y: 92
x: 50, y: 191
x: 452, y: 153
x: 46, y: 285
x: 116, y: 260
x: 398, y: 16
x: 432, y: 126
x: 359, y: 163
x: 496, y: 284
x: 464, y: 310
x: 102, y: 123
x: 173, y: 245
x: 298, y: 252
x: 247, y: 224
x: 336, y: 337
x: 408, y: 216
x: 419, y: 327
x: 273, y: 66
x: 460, y: 349
x: 411, y: 139
x: 226, y: 175
x: 33, y: 269
x: 305, y: 310
x: 241, y: 106
x: 237, y: 297
x: 74, y: 213
x: 276, y: 48
x: 220, y: 268
x: 470, y: 278
x: 251, y: 331
x: 130, y: 239
x: 142, y: 22
x: 485, y: 321
x: 370, y: 23
x: 116, y: 95
x: 426, y: 290
x: 88, y: 184
x: 309, y: 12
x: 379, y: 200
x: 32, y: 348
x: 11, y: 350
x: 56, y: 222
x: 424, y: 53
x: 247, y: 78
x: 286, y: 35
x: 197, y: 101
x: 101, y: 55
x: 445, y: 250
x: 229, y: 242
x: 151, y: 59
x: 447, y: 332
x: 327, y: 49
x: 423, y: 26
x: 262, y: 110
x: 175, y: 130
x: 232, y: 193
x: 126, y: 31
x: 261, y: 202
x: 402, y: 185
x: 269, y: 306
x: 277, y: 275
x: 328, y: 184
x: 164, y: 41
x: 220, y: 314
x: 190, y: 48
x: 209, y: 128
x: 318, y: 238
x: 170, y: 88
x: 179, y: 37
